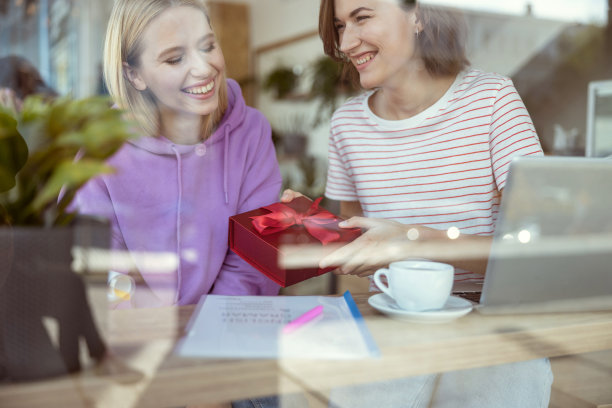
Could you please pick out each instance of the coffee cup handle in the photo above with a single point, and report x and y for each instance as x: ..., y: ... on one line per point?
x: 379, y: 283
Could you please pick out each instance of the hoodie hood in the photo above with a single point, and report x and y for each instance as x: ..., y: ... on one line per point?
x: 233, y: 117
x: 177, y: 199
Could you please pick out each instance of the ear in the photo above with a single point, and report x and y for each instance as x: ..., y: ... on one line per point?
x: 134, y: 78
x: 416, y: 19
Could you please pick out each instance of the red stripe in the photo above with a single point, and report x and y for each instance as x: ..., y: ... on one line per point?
x: 428, y: 191
x: 437, y: 198
x: 428, y: 175
x: 336, y: 119
x: 336, y: 135
x: 423, y: 160
x: 464, y: 112
x: 353, y: 145
x: 525, y: 115
x: 451, y: 221
x: 430, y: 183
x: 499, y: 152
x: 513, y: 151
x: 440, y: 206
x: 409, y: 155
x: 503, y: 106
x: 440, y: 214
x: 422, y: 168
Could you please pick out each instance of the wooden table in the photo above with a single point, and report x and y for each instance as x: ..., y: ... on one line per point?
x: 144, y: 372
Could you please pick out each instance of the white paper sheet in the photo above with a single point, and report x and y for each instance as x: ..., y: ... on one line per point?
x: 250, y: 327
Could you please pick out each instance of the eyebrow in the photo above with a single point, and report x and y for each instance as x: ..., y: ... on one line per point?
x: 168, y: 51
x: 354, y: 12
x: 358, y: 10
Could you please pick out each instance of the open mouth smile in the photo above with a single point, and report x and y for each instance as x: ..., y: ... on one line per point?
x: 201, y: 89
x: 363, y: 60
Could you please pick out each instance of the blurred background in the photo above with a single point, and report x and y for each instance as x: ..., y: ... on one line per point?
x: 558, y: 53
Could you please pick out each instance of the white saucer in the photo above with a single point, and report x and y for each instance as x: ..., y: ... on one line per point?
x: 454, y: 308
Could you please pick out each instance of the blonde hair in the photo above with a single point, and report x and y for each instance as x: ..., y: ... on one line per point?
x: 123, y: 44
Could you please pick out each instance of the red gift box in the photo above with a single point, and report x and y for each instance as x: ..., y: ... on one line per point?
x: 257, y: 236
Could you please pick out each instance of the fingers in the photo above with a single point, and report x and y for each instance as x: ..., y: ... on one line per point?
x: 365, y: 255
x: 289, y: 195
x: 340, y: 256
x: 352, y: 256
x: 357, y: 222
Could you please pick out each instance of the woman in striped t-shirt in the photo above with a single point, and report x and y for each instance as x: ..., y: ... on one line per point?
x: 427, y: 147
x: 422, y: 154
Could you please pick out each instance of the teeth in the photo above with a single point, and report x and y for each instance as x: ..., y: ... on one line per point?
x: 201, y: 89
x: 364, y: 59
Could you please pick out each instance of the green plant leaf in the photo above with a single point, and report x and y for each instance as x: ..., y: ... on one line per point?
x: 13, y: 150
x: 68, y: 175
x: 282, y: 81
x: 54, y: 133
x: 99, y: 139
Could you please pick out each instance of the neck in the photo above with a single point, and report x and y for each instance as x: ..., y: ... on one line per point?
x: 185, y: 130
x: 415, y: 92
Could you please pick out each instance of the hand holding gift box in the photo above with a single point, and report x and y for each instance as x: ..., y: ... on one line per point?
x: 258, y: 236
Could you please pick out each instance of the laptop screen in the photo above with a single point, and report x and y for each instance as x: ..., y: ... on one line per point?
x: 552, y: 247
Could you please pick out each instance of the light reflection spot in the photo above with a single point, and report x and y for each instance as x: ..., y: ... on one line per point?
x: 413, y: 234
x: 524, y: 236
x: 453, y: 233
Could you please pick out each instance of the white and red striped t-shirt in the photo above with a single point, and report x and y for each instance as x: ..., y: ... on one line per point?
x: 441, y: 168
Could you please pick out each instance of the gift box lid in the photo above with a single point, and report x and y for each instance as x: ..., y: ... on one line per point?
x: 262, y: 251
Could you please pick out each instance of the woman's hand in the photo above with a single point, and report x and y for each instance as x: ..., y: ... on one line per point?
x: 383, y: 241
x: 289, y: 195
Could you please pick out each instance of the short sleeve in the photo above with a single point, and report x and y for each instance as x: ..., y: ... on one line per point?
x: 511, y: 133
x: 339, y: 184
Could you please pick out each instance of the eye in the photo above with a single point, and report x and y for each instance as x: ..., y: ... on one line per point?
x: 339, y: 27
x: 174, y: 61
x: 362, y: 18
x: 208, y: 48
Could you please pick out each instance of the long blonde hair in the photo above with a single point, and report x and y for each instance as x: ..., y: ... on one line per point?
x: 123, y: 43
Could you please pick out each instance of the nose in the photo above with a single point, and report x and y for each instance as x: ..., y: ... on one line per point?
x: 349, y: 39
x: 200, y: 67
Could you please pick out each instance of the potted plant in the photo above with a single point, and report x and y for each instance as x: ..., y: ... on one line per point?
x: 39, y: 176
x: 328, y: 86
x: 282, y: 81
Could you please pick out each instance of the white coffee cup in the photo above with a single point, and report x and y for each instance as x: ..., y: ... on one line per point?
x: 417, y: 285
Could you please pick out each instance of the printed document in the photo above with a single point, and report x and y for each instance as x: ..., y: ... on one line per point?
x: 252, y: 327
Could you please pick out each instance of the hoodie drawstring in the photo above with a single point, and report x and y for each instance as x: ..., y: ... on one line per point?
x: 225, y: 161
x: 179, y: 204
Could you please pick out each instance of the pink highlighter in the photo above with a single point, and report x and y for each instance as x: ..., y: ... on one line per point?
x: 302, y: 319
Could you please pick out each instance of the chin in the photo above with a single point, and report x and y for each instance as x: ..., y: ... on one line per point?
x: 368, y: 83
x: 210, y: 107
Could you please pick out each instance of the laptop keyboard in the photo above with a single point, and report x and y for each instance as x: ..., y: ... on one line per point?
x: 471, y: 296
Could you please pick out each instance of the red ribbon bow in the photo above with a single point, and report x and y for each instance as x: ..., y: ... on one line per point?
x: 283, y: 217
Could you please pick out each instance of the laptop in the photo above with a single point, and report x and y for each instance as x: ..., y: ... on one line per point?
x: 552, y: 248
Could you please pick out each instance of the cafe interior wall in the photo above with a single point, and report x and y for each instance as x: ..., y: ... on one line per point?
x: 542, y: 56
x: 550, y: 61
x: 284, y: 35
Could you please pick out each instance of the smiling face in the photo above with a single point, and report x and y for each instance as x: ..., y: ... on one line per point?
x: 378, y: 36
x: 180, y: 64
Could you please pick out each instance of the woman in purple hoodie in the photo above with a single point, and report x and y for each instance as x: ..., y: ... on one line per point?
x: 203, y: 156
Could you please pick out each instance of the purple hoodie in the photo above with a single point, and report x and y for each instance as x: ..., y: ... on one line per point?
x: 176, y: 199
